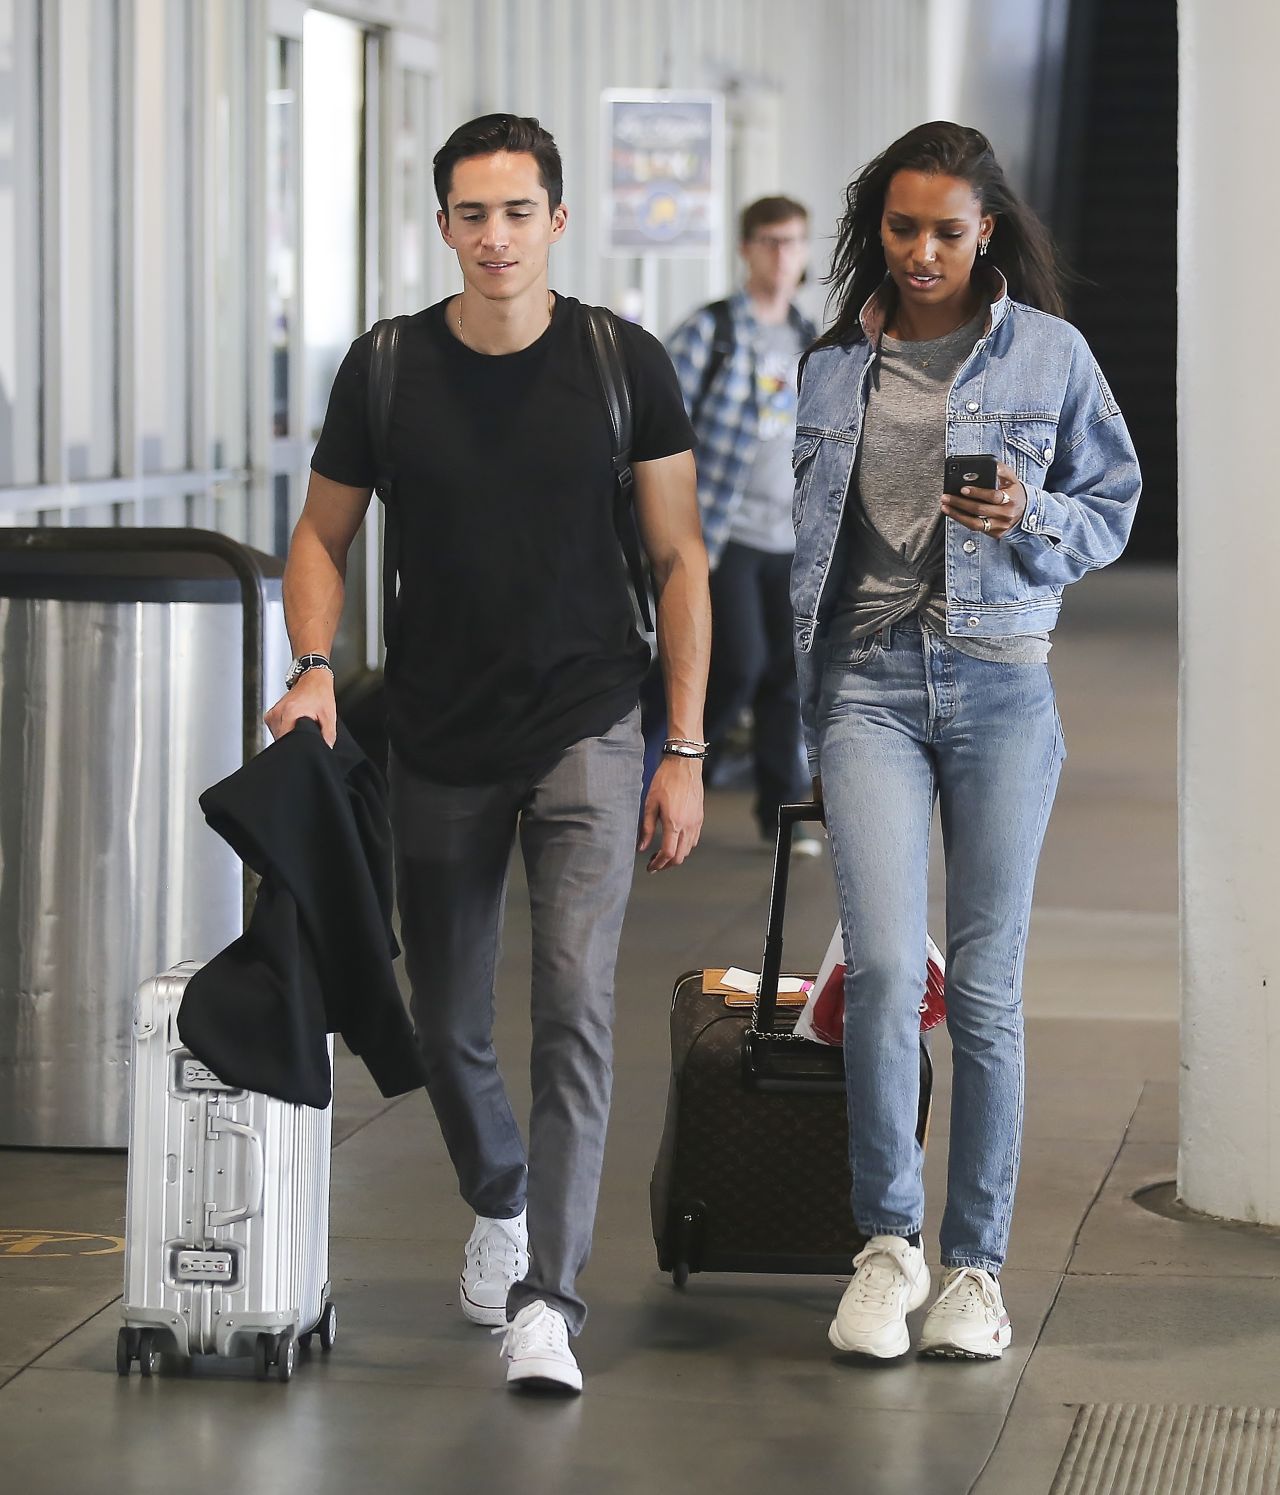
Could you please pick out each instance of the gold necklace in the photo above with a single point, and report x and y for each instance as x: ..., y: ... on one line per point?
x: 551, y: 311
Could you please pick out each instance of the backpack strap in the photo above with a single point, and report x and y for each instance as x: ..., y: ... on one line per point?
x: 606, y: 355
x: 721, y: 351
x: 384, y: 359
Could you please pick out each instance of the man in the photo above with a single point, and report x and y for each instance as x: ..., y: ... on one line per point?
x: 512, y: 680
x: 737, y: 364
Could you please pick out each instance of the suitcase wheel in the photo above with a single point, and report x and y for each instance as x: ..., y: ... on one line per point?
x: 148, y: 1352
x: 328, y: 1327
x: 275, y: 1351
x: 126, y: 1350
x: 685, y: 1242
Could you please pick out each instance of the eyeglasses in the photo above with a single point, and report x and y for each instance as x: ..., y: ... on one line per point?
x: 779, y: 241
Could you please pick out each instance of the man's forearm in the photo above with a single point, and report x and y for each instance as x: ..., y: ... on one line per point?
x: 684, y: 643
x: 314, y: 591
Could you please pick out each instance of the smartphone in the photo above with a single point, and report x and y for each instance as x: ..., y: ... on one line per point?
x: 968, y: 472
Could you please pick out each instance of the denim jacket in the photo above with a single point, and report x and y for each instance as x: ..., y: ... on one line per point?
x: 1031, y: 395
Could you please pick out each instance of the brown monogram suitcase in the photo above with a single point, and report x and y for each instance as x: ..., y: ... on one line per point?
x: 753, y: 1171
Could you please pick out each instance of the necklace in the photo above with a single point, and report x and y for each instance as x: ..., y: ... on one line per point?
x: 936, y: 344
x: 551, y: 311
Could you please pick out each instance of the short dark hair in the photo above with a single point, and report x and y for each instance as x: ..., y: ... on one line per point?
x: 766, y: 211
x: 499, y: 132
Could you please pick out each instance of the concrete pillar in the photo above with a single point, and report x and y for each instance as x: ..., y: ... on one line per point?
x: 1229, y: 520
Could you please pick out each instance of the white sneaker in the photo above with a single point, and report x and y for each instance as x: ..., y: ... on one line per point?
x: 806, y: 842
x: 968, y: 1321
x: 536, y: 1344
x: 890, y: 1280
x: 497, y: 1255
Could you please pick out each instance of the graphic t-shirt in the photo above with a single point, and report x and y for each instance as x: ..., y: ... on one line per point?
x: 762, y: 519
x: 515, y: 622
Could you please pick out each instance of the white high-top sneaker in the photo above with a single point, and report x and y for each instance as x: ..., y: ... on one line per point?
x: 968, y: 1321
x: 890, y: 1280
x: 497, y: 1255
x: 536, y: 1345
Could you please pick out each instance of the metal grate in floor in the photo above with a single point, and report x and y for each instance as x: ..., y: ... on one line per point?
x: 1117, y: 1448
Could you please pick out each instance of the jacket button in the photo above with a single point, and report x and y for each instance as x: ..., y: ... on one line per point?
x: 1048, y: 454
x: 973, y: 622
x: 972, y: 405
x: 970, y: 546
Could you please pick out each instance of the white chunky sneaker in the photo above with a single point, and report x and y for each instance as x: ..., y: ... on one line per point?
x: 497, y: 1255
x: 890, y: 1280
x: 536, y: 1344
x: 968, y: 1321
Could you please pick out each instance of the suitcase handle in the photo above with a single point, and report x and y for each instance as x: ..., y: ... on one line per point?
x: 257, y: 1176
x: 766, y: 1008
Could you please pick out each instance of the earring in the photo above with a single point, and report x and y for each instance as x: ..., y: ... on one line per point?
x: 984, y: 244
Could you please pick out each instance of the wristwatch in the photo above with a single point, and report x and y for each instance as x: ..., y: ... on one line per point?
x: 302, y: 664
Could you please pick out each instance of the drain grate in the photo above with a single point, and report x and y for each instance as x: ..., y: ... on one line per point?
x: 1119, y: 1449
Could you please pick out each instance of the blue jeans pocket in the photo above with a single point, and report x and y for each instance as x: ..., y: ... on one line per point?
x: 854, y: 655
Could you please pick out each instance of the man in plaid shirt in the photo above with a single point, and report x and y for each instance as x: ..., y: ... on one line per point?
x: 736, y: 361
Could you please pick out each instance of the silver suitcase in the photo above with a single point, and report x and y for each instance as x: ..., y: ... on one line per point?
x: 227, y: 1231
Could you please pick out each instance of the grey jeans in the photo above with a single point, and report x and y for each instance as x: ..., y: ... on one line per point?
x: 577, y: 825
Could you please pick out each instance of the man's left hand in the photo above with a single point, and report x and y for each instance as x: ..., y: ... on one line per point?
x: 675, y: 799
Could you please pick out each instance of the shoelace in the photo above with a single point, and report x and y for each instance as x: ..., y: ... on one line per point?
x: 879, y: 1284
x: 496, y: 1245
x: 544, y: 1331
x: 970, y: 1285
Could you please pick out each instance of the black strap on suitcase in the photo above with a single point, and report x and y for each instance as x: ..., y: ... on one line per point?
x: 752, y: 1174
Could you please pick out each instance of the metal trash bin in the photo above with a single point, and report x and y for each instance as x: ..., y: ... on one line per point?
x: 133, y: 674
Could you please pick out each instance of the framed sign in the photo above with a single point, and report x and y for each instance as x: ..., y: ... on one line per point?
x: 663, y: 167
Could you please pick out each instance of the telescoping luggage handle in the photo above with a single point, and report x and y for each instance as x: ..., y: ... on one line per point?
x: 239, y: 558
x: 773, y: 1058
x: 789, y: 816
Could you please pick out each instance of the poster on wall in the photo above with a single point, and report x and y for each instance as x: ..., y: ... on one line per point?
x: 663, y: 162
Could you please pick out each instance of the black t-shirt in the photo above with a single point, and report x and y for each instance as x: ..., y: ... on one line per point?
x: 515, y: 634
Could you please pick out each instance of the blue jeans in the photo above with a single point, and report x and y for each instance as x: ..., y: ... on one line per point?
x: 903, y: 717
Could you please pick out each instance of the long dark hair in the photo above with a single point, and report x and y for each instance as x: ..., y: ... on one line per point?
x: 1020, y: 243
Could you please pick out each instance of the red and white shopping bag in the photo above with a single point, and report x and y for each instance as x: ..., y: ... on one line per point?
x: 823, y: 1015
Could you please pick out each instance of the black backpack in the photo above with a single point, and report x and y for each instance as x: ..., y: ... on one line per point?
x: 606, y: 352
x: 721, y: 349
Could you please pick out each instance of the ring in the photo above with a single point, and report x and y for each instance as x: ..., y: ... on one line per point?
x: 986, y: 524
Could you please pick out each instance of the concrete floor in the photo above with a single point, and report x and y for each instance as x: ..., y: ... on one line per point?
x: 730, y: 1384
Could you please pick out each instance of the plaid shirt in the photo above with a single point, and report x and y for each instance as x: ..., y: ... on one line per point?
x: 727, y: 425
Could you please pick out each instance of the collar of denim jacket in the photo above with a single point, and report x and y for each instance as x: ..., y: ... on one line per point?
x: 872, y: 316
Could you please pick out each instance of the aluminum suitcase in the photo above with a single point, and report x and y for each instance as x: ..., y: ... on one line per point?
x: 227, y: 1229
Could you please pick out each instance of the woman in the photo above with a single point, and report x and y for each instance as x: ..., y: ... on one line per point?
x: 922, y: 633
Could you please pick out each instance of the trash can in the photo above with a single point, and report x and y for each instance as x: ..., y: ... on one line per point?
x: 133, y: 675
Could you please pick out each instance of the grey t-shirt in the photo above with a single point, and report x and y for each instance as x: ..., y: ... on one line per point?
x: 763, y: 516
x: 896, y: 564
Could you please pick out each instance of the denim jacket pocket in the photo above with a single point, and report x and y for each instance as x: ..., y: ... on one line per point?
x: 802, y: 466
x: 1030, y: 444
